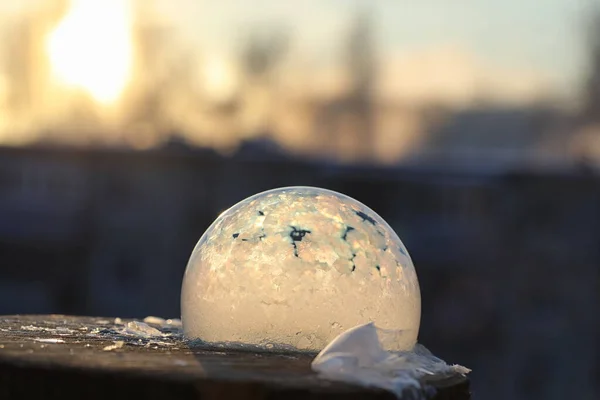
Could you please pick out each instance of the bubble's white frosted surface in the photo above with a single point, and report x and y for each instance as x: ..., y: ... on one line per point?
x: 296, y: 267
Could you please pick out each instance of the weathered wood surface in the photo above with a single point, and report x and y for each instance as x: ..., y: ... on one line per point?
x: 55, y: 356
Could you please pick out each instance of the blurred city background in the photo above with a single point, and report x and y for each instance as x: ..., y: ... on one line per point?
x: 471, y: 126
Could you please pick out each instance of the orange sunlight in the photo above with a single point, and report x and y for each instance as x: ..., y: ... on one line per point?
x: 91, y: 48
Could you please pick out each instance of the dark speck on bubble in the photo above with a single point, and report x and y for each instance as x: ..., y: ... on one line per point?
x: 261, y: 213
x: 348, y: 229
x: 352, y: 259
x: 235, y: 235
x: 297, y: 234
x: 401, y: 249
x: 365, y: 217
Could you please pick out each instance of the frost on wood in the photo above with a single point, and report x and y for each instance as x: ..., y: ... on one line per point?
x: 358, y: 356
x: 141, y: 329
x: 117, y: 345
x: 49, y: 340
x: 295, y: 267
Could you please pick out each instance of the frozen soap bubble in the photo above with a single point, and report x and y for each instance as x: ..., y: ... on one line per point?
x: 295, y: 267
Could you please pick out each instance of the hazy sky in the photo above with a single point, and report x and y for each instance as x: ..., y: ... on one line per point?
x: 543, y: 36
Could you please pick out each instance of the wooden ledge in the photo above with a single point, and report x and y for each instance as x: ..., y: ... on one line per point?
x: 66, y: 357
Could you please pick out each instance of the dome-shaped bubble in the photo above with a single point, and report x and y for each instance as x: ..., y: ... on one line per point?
x: 296, y: 267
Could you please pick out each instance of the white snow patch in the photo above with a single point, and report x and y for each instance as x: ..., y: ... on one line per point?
x: 175, y: 322
x: 49, y: 340
x: 358, y: 356
x: 32, y: 328
x: 117, y: 345
x: 155, y: 320
x: 141, y: 329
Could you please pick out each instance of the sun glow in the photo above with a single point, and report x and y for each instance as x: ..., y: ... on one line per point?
x: 91, y: 48
x: 219, y: 79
